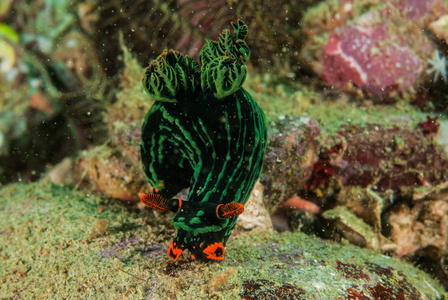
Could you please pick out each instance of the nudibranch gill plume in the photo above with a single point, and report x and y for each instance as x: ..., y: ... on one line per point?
x: 205, y: 132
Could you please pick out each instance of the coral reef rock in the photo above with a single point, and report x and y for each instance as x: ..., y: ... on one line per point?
x: 69, y: 244
x: 377, y: 47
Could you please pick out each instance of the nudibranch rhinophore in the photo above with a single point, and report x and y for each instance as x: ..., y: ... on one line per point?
x: 206, y: 132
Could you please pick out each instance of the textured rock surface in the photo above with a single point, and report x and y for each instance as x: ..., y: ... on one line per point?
x: 291, y: 154
x: 58, y: 243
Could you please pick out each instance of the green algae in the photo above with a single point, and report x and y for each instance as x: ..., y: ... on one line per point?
x: 333, y: 112
x: 59, y: 243
x: 132, y: 103
x: 49, y: 243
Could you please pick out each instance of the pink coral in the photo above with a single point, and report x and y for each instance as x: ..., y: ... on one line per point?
x: 369, y: 58
x: 371, y: 46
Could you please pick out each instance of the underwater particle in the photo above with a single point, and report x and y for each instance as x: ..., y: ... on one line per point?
x: 438, y: 66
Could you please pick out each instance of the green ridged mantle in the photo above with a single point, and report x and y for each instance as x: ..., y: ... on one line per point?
x: 204, y: 132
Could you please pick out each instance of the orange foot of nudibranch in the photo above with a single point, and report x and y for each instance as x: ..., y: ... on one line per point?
x: 174, y: 252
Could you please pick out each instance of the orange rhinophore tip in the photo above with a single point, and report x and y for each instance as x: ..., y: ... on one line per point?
x: 232, y: 209
x: 215, y: 251
x: 154, y: 201
x: 174, y: 252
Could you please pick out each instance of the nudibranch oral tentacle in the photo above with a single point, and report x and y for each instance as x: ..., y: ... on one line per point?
x: 205, y: 132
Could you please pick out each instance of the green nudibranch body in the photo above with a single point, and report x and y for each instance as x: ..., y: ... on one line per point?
x: 204, y: 132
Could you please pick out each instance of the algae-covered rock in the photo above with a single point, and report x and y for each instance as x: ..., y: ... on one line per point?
x: 59, y: 243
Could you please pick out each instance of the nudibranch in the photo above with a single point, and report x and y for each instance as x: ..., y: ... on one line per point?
x: 205, y: 132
